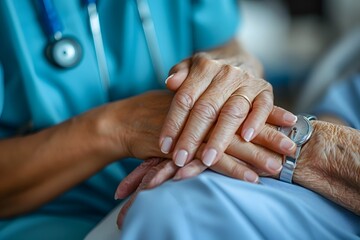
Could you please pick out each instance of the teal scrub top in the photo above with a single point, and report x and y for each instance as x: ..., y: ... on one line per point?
x: 35, y: 95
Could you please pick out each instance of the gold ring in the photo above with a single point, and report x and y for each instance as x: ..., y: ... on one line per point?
x: 244, y: 97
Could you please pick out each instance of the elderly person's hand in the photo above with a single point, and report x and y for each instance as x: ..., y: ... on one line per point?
x: 153, y: 172
x: 216, y: 92
x: 134, y: 126
x: 329, y: 164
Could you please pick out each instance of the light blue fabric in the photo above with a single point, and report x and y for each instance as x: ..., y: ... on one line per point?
x: 343, y: 100
x: 212, y: 206
x: 40, y: 95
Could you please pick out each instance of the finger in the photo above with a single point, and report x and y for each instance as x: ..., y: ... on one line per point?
x: 127, y: 205
x: 123, y: 211
x: 232, y: 167
x: 232, y: 115
x: 201, y: 74
x: 177, y: 75
x: 281, y: 117
x: 129, y: 184
x: 164, y: 172
x: 212, y: 103
x: 191, y: 169
x: 150, y: 174
x: 272, y: 139
x: 261, y: 108
x: 255, y: 155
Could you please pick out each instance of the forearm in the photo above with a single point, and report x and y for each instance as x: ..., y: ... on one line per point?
x: 335, y: 173
x: 235, y: 54
x: 36, y: 168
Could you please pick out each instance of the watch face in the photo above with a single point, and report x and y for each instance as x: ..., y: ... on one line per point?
x: 300, y: 132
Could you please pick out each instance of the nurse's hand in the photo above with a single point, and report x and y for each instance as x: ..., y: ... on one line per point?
x: 215, y: 93
x: 133, y: 126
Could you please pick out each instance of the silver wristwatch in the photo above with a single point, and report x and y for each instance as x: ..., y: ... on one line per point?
x: 300, y: 133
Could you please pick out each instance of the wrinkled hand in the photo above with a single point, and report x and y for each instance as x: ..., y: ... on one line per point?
x: 153, y: 172
x: 211, y: 94
x: 331, y: 147
x: 134, y: 126
x: 329, y: 164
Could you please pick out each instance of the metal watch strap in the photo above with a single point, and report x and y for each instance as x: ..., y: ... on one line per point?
x: 289, y: 164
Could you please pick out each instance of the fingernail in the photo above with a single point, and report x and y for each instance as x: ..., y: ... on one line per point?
x: 287, y: 144
x: 289, y: 117
x: 116, y: 196
x: 166, y: 80
x: 250, y: 177
x: 181, y: 158
x: 166, y: 145
x: 274, y: 165
x: 248, y: 134
x: 209, y: 157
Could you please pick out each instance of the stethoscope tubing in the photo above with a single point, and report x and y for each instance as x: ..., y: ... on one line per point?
x: 54, y: 30
x: 50, y: 19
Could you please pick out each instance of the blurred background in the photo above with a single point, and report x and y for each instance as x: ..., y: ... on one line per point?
x: 293, y: 37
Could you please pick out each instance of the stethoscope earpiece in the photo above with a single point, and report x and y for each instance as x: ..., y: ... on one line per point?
x: 65, y: 52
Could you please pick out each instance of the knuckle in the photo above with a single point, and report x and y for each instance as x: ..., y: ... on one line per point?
x: 244, y: 75
x: 190, y: 140
x: 226, y: 71
x: 173, y: 126
x: 193, y: 139
x: 205, y: 110
x: 184, y: 100
x: 267, y: 88
x: 203, y: 63
x: 200, y: 56
x: 234, y: 112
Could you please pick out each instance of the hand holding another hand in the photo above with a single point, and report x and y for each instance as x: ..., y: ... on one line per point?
x: 215, y: 94
x: 256, y: 160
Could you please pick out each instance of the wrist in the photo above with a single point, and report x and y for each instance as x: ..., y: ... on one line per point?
x: 104, y: 132
x: 305, y: 168
x: 327, y: 152
x: 329, y: 164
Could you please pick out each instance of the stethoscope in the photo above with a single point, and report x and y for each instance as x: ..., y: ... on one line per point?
x: 65, y: 52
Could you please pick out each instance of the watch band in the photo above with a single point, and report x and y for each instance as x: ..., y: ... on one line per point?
x: 289, y: 166
x: 303, y: 136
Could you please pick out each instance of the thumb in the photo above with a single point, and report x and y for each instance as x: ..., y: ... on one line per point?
x: 177, y: 76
